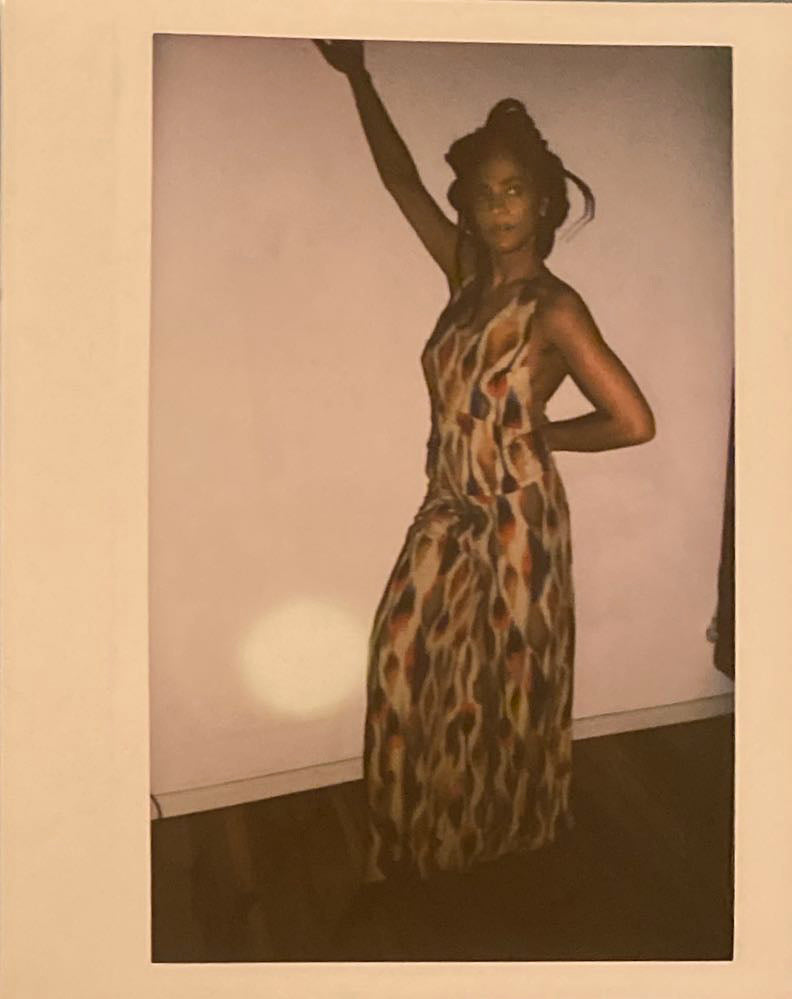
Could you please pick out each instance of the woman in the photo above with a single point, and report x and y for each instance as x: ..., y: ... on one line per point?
x: 467, y: 750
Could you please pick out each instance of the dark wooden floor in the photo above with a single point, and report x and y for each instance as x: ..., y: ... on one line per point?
x: 646, y: 874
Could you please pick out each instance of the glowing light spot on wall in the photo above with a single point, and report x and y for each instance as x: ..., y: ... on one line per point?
x: 305, y: 657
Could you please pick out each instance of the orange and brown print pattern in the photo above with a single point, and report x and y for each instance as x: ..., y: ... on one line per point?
x: 467, y: 746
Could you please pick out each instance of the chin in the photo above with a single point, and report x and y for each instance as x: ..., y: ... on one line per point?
x: 508, y: 242
x: 508, y: 245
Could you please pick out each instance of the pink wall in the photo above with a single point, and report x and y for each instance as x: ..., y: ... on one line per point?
x: 288, y: 411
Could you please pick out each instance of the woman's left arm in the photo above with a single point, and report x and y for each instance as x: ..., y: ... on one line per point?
x: 621, y: 416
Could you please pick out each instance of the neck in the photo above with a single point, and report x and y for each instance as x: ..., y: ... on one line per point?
x: 517, y: 266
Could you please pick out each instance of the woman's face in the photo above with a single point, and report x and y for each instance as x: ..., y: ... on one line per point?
x: 504, y: 204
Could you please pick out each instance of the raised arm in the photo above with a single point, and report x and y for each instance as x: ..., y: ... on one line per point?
x: 394, y: 163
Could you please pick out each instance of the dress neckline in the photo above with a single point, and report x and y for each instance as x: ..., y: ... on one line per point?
x: 519, y: 284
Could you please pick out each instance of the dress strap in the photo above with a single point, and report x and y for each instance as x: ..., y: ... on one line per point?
x: 462, y: 287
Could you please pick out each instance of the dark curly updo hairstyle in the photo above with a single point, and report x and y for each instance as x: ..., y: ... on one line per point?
x: 509, y: 128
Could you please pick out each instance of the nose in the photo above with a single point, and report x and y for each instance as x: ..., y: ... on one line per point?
x: 496, y: 202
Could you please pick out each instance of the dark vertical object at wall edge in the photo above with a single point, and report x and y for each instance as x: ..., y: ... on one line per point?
x: 724, y: 645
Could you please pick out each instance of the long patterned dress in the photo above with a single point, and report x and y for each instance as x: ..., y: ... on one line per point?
x: 467, y: 746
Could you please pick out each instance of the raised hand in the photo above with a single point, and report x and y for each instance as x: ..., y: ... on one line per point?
x: 392, y: 158
x: 344, y: 55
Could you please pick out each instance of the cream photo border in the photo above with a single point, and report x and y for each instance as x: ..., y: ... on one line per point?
x: 76, y: 185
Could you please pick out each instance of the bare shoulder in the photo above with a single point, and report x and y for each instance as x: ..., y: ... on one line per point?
x: 562, y: 313
x: 558, y: 301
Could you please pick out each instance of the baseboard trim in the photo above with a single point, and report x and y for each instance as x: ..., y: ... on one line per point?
x: 238, y: 792
x: 656, y: 717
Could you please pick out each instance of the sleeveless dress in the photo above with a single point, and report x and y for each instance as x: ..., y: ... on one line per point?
x: 468, y: 729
